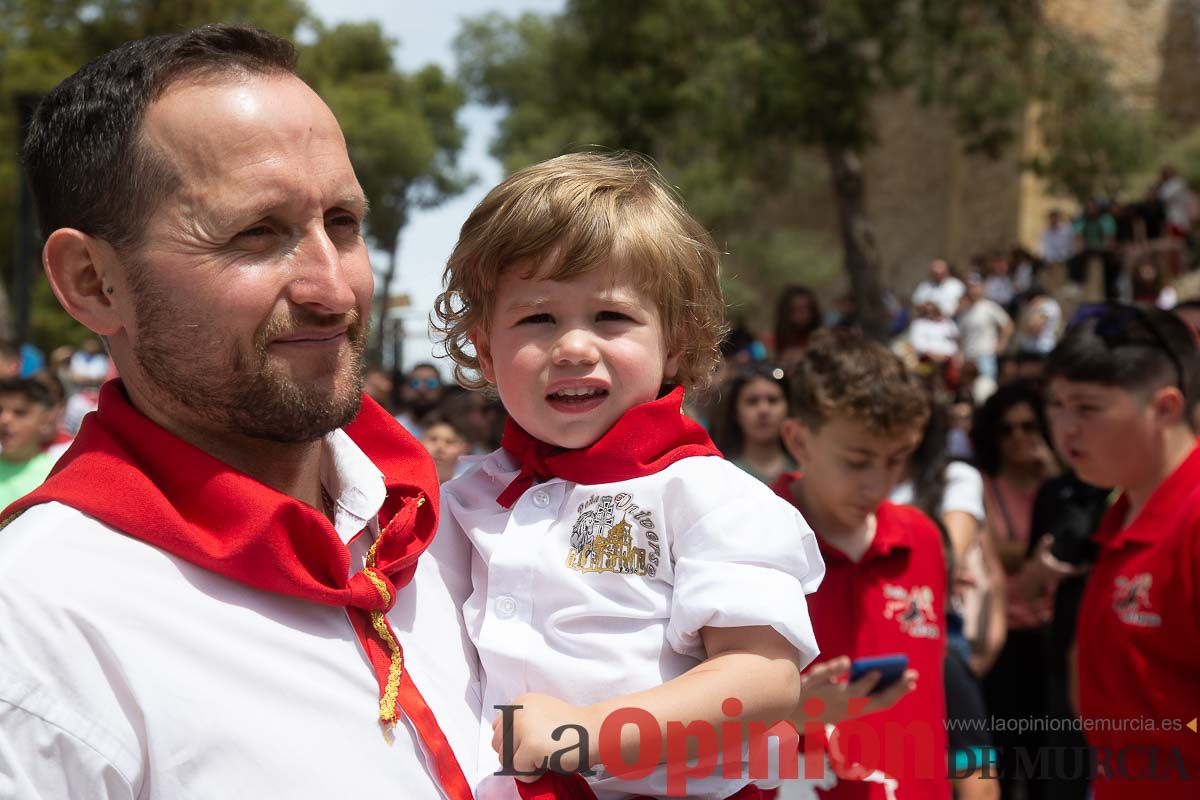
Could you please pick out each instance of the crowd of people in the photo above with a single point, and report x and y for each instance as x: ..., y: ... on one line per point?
x: 947, y: 561
x: 1014, y: 516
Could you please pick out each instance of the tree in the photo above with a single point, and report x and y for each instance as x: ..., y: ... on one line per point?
x: 1094, y: 138
x: 749, y: 84
x: 401, y: 130
x: 44, y: 41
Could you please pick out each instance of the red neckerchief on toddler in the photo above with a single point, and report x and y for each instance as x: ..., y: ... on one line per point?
x: 138, y: 478
x: 647, y: 439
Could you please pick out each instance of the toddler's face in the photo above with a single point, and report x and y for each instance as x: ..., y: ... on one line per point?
x: 570, y: 357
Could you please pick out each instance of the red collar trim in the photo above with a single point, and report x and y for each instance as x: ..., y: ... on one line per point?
x: 1165, y: 503
x: 889, y: 536
x: 647, y: 439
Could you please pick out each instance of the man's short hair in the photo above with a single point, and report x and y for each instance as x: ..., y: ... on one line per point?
x: 35, y: 391
x: 1134, y: 348
x: 451, y: 421
x: 564, y: 217
x: 844, y: 374
x: 87, y: 163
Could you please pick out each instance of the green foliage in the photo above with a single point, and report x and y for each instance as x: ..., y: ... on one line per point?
x: 1094, y: 139
x: 401, y: 129
x: 739, y: 101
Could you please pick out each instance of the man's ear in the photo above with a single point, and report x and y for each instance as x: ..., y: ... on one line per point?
x: 483, y: 351
x: 1168, y: 404
x: 82, y: 272
x: 795, y: 435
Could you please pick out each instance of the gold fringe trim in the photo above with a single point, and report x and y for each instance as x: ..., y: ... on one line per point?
x: 387, y: 703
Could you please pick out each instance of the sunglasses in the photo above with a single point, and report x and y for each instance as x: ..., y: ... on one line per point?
x: 1028, y: 427
x: 1119, y: 325
x: 428, y: 383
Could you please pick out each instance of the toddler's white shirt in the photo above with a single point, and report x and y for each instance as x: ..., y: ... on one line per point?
x: 590, y: 592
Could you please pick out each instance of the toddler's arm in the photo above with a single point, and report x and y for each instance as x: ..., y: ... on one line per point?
x: 754, y: 665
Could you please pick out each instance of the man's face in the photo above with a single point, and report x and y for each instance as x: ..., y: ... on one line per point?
x: 24, y: 427
x: 423, y: 387
x: 848, y: 469
x: 939, y: 270
x: 1105, y: 433
x: 251, y: 289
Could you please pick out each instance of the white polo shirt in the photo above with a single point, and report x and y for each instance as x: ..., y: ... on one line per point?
x: 126, y: 672
x: 587, y: 593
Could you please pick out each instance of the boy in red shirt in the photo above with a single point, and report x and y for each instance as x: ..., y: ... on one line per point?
x: 856, y: 416
x: 1121, y: 392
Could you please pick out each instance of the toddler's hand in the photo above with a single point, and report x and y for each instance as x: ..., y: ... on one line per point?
x: 533, y: 742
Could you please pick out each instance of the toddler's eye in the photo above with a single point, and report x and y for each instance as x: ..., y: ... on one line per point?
x: 612, y: 316
x: 535, y: 319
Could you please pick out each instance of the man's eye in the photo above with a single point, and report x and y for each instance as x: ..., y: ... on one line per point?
x: 535, y: 319
x: 346, y: 221
x: 857, y: 465
x: 256, y: 231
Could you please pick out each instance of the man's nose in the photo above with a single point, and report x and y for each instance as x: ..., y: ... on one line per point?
x: 322, y: 277
x: 575, y: 346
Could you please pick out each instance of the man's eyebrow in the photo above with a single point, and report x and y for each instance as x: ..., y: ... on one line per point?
x: 235, y: 217
x: 353, y: 202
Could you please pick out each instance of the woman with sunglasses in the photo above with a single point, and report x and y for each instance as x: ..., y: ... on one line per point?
x: 1121, y: 387
x: 1012, y: 450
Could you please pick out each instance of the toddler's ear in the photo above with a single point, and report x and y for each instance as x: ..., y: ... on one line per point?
x: 483, y: 351
x: 671, y: 367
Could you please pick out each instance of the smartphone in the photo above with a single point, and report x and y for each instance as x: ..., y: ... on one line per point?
x: 890, y: 668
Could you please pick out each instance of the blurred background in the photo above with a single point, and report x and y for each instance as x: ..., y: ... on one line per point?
x: 838, y: 144
x: 956, y: 177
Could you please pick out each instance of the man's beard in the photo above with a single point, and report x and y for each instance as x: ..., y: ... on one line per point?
x: 240, y: 391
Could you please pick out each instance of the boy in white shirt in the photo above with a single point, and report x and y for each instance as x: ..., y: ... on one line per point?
x: 619, y: 561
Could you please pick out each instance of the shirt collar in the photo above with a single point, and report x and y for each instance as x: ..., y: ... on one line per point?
x: 888, y: 536
x: 354, y: 484
x: 1165, y: 503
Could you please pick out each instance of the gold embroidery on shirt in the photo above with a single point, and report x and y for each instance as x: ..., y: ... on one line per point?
x: 600, y: 543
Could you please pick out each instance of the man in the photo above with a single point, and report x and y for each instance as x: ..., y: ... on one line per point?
x: 217, y: 592
x: 940, y: 287
x: 1058, y: 240
x: 986, y: 329
x: 420, y: 392
x: 1095, y: 238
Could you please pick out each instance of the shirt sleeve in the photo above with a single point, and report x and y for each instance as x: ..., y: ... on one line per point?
x: 964, y: 490
x: 748, y: 562
x: 47, y: 752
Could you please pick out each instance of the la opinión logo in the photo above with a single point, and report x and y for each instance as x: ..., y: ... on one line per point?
x: 738, y: 749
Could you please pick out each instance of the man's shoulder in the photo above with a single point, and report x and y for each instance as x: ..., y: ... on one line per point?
x: 61, y: 538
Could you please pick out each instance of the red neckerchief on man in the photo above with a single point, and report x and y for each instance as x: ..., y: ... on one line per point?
x: 647, y: 439
x: 138, y: 478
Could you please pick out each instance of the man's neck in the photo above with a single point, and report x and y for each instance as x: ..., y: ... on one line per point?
x: 20, y: 456
x: 1177, y: 444
x: 293, y: 469
x: 765, y: 457
x: 853, y: 542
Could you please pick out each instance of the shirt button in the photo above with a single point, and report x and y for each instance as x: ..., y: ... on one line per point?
x: 541, y: 499
x: 505, y: 607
